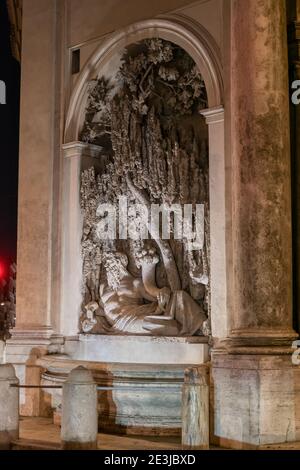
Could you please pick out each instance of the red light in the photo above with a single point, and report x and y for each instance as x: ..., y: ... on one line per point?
x: 2, y: 271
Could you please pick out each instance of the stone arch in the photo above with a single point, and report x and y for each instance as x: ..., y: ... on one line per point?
x: 189, y: 35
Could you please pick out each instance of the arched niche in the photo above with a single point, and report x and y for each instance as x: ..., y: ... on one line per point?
x: 198, y: 43
x: 193, y: 38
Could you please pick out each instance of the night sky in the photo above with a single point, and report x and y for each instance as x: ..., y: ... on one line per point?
x: 9, y: 129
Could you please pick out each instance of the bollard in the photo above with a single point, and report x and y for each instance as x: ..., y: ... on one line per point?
x: 79, y: 425
x: 195, y: 408
x: 9, y: 406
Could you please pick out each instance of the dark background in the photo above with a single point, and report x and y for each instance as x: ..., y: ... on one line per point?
x: 9, y: 144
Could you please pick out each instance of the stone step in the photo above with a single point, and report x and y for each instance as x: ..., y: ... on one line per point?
x: 28, y: 444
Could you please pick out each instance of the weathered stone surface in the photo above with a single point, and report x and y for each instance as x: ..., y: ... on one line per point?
x: 9, y: 409
x: 139, y: 349
x: 255, y: 400
x: 294, y: 74
x: 195, y: 408
x: 255, y: 393
x: 39, y: 152
x: 145, y: 398
x: 79, y: 411
x: 261, y: 167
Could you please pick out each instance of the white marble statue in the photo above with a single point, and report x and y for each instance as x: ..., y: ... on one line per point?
x: 137, y: 306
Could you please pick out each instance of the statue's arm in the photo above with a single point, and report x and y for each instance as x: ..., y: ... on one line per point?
x: 143, y: 292
x: 161, y: 295
x: 148, y: 276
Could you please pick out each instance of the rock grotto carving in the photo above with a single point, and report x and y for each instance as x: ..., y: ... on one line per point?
x: 153, y: 150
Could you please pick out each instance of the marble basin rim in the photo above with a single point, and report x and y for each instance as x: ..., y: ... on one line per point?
x: 139, y: 349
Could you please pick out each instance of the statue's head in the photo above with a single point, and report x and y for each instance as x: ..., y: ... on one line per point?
x: 115, y: 258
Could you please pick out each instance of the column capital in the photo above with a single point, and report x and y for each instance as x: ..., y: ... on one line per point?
x: 213, y: 115
x: 78, y: 149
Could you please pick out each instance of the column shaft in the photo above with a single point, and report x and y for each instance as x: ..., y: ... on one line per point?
x: 37, y: 154
x: 261, y: 172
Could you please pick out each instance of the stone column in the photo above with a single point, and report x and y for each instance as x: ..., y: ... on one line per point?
x: 77, y: 156
x: 260, y: 146
x: 39, y: 181
x: 217, y: 201
x: 37, y: 155
x: 79, y: 411
x: 255, y: 385
x: 195, y: 408
x: 9, y: 409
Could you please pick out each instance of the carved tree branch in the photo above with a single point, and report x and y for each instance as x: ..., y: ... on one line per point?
x: 145, y: 93
x: 164, y: 246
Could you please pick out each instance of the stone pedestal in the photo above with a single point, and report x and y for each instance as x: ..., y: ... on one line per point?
x: 195, y: 408
x: 256, y: 399
x: 9, y: 409
x: 23, y: 350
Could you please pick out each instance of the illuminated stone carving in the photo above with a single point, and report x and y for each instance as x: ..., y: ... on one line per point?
x: 153, y: 144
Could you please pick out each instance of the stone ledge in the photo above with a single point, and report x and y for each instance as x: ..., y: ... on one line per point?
x: 139, y: 349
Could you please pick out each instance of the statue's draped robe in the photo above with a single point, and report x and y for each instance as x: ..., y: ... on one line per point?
x: 129, y: 314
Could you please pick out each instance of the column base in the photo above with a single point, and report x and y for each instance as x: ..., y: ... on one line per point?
x: 25, y: 346
x: 255, y: 400
x: 249, y: 340
x: 6, y: 438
